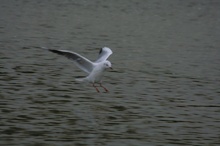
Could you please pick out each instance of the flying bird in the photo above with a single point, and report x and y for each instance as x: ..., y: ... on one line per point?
x: 93, y: 69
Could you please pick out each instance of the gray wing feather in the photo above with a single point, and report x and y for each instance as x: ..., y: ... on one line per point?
x: 104, y: 53
x: 82, y: 62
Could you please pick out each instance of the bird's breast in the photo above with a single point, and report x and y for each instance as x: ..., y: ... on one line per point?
x: 96, y: 75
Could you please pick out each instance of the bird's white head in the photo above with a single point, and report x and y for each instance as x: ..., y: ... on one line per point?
x: 107, y: 64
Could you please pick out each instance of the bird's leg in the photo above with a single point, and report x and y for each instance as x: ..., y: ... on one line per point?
x: 95, y: 87
x: 106, y: 90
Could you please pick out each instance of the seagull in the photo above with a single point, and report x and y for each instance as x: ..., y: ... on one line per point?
x: 93, y: 69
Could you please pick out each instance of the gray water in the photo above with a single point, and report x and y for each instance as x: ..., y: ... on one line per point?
x: 164, y: 89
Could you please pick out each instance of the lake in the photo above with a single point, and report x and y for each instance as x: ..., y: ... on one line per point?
x: 163, y: 89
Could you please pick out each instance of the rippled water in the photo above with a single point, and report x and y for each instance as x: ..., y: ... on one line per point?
x: 164, y: 89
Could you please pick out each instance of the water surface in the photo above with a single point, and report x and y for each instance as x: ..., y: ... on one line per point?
x: 164, y: 89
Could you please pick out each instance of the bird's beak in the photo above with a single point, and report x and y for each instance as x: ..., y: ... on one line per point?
x: 111, y: 68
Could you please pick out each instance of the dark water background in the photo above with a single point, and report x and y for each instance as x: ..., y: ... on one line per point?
x: 164, y: 90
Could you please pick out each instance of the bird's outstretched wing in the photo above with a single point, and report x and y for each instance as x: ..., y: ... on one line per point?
x: 104, y: 53
x: 82, y: 62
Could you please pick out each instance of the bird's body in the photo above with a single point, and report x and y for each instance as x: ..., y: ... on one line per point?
x: 94, y: 69
x: 95, y: 75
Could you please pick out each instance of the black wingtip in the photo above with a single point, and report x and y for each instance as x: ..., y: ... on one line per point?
x: 100, y: 51
x: 51, y: 50
x: 54, y: 51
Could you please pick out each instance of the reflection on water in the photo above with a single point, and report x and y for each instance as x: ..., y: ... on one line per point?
x: 163, y: 91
